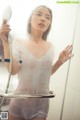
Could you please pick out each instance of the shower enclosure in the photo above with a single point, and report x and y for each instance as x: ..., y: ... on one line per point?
x: 66, y: 81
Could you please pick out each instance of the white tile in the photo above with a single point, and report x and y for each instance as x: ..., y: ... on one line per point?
x: 72, y: 105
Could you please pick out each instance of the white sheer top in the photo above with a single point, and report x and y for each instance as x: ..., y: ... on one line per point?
x: 34, y: 73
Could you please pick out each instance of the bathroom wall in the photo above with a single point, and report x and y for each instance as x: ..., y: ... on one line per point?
x: 71, y: 109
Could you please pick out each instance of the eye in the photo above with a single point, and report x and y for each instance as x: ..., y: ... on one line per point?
x: 38, y: 14
x: 48, y: 18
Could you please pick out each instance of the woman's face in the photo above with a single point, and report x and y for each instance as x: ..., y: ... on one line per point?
x: 41, y: 19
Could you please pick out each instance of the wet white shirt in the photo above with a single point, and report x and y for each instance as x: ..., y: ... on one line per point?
x: 34, y: 76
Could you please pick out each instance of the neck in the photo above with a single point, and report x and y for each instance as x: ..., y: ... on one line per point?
x: 36, y: 36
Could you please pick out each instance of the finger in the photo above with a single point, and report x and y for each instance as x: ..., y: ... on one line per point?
x: 71, y: 55
x: 5, y: 30
x: 5, y: 34
x: 5, y: 26
x: 69, y: 49
x: 4, y: 21
x: 66, y: 48
x: 70, y: 46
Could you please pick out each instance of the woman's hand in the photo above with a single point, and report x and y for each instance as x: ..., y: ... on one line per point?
x: 63, y: 57
x: 66, y: 54
x: 4, y: 31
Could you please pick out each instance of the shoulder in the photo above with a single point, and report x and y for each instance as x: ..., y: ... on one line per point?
x: 50, y: 44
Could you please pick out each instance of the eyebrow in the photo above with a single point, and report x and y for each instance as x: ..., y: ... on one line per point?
x: 42, y: 12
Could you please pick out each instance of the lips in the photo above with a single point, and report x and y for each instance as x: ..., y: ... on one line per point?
x: 41, y: 25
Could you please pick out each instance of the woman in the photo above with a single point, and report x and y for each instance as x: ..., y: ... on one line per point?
x: 36, y: 68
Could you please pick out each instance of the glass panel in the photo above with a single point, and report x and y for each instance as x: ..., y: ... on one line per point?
x: 61, y: 34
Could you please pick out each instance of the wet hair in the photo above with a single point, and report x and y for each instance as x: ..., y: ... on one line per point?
x: 45, y: 34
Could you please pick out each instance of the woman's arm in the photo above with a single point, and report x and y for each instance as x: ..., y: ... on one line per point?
x: 65, y: 55
x: 15, y: 64
x: 4, y: 31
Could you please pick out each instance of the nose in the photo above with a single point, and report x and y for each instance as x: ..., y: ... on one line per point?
x: 43, y: 19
